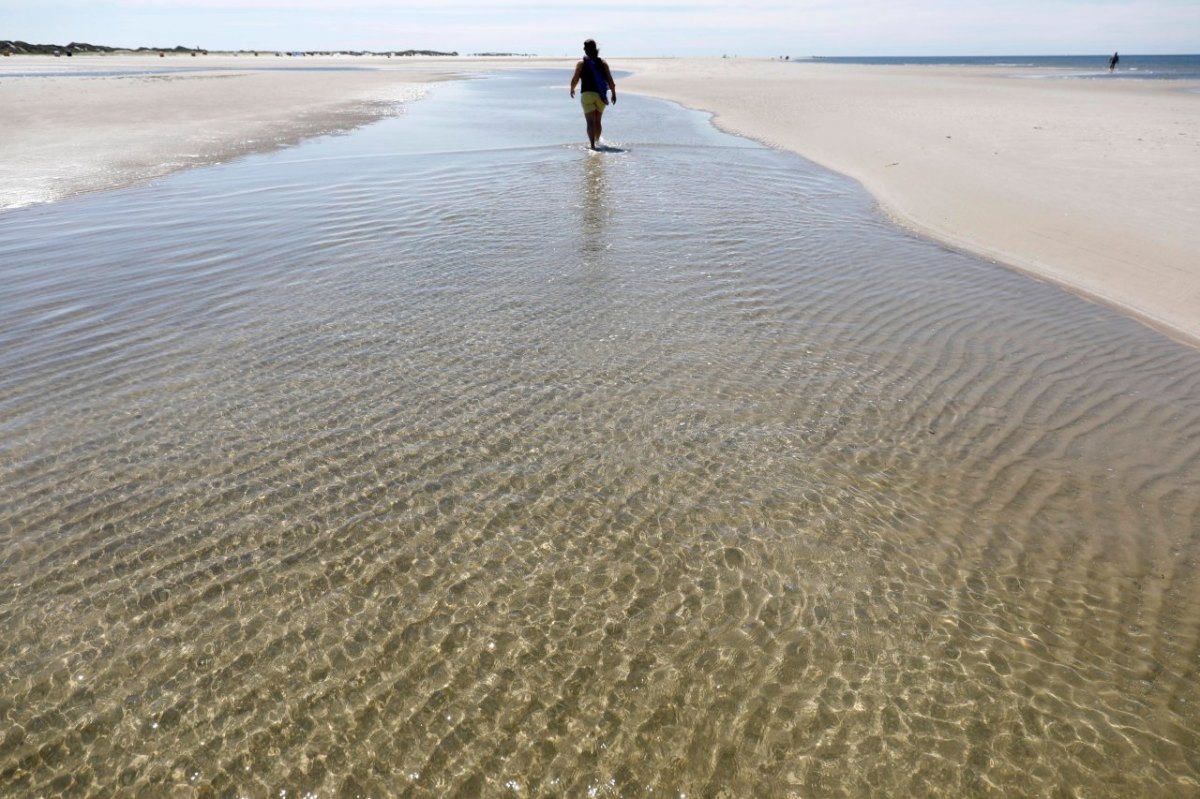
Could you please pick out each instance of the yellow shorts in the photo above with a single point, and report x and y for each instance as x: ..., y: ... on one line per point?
x: 592, y: 101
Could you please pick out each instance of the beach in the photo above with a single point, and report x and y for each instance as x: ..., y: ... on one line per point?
x: 97, y: 122
x: 1091, y: 184
x: 1094, y: 185
x: 449, y: 457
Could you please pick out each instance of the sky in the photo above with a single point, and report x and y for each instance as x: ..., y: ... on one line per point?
x: 750, y: 28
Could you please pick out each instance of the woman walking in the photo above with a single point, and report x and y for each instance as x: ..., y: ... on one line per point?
x: 597, y: 81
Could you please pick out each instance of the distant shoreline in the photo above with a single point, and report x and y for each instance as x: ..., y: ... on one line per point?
x: 13, y: 48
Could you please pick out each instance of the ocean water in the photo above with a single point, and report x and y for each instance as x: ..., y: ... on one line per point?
x: 449, y: 458
x: 1141, y: 67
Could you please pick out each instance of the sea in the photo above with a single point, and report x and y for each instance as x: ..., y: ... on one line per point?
x: 447, y: 457
x: 1137, y: 67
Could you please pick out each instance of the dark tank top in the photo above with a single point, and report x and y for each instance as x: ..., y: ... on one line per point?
x: 588, y: 79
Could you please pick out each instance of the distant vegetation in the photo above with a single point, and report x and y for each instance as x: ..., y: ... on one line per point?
x: 25, y: 48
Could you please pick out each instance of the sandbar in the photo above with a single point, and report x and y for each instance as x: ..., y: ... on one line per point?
x: 1093, y: 184
x: 73, y: 125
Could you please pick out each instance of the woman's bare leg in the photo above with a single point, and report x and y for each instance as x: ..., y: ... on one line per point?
x: 593, y: 126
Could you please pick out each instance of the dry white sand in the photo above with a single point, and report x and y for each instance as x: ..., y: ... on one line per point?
x: 1092, y: 184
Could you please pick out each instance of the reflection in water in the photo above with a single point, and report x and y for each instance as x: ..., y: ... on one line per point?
x: 343, y: 472
x: 594, y: 191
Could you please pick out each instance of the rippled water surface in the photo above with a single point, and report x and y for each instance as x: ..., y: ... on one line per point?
x: 447, y: 458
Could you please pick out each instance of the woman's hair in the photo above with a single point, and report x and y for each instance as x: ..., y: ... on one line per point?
x: 589, y: 47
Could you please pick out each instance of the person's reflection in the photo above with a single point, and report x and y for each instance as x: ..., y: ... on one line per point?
x: 595, y: 207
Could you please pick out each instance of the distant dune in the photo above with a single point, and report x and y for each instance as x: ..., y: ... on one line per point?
x: 10, y: 48
x: 25, y: 48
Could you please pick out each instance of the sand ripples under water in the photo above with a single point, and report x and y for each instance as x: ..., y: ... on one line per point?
x: 436, y: 460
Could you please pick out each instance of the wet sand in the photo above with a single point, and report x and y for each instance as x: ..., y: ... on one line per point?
x: 1092, y: 184
x: 98, y: 122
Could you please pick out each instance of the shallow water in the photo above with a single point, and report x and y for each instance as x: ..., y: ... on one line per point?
x: 449, y: 458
